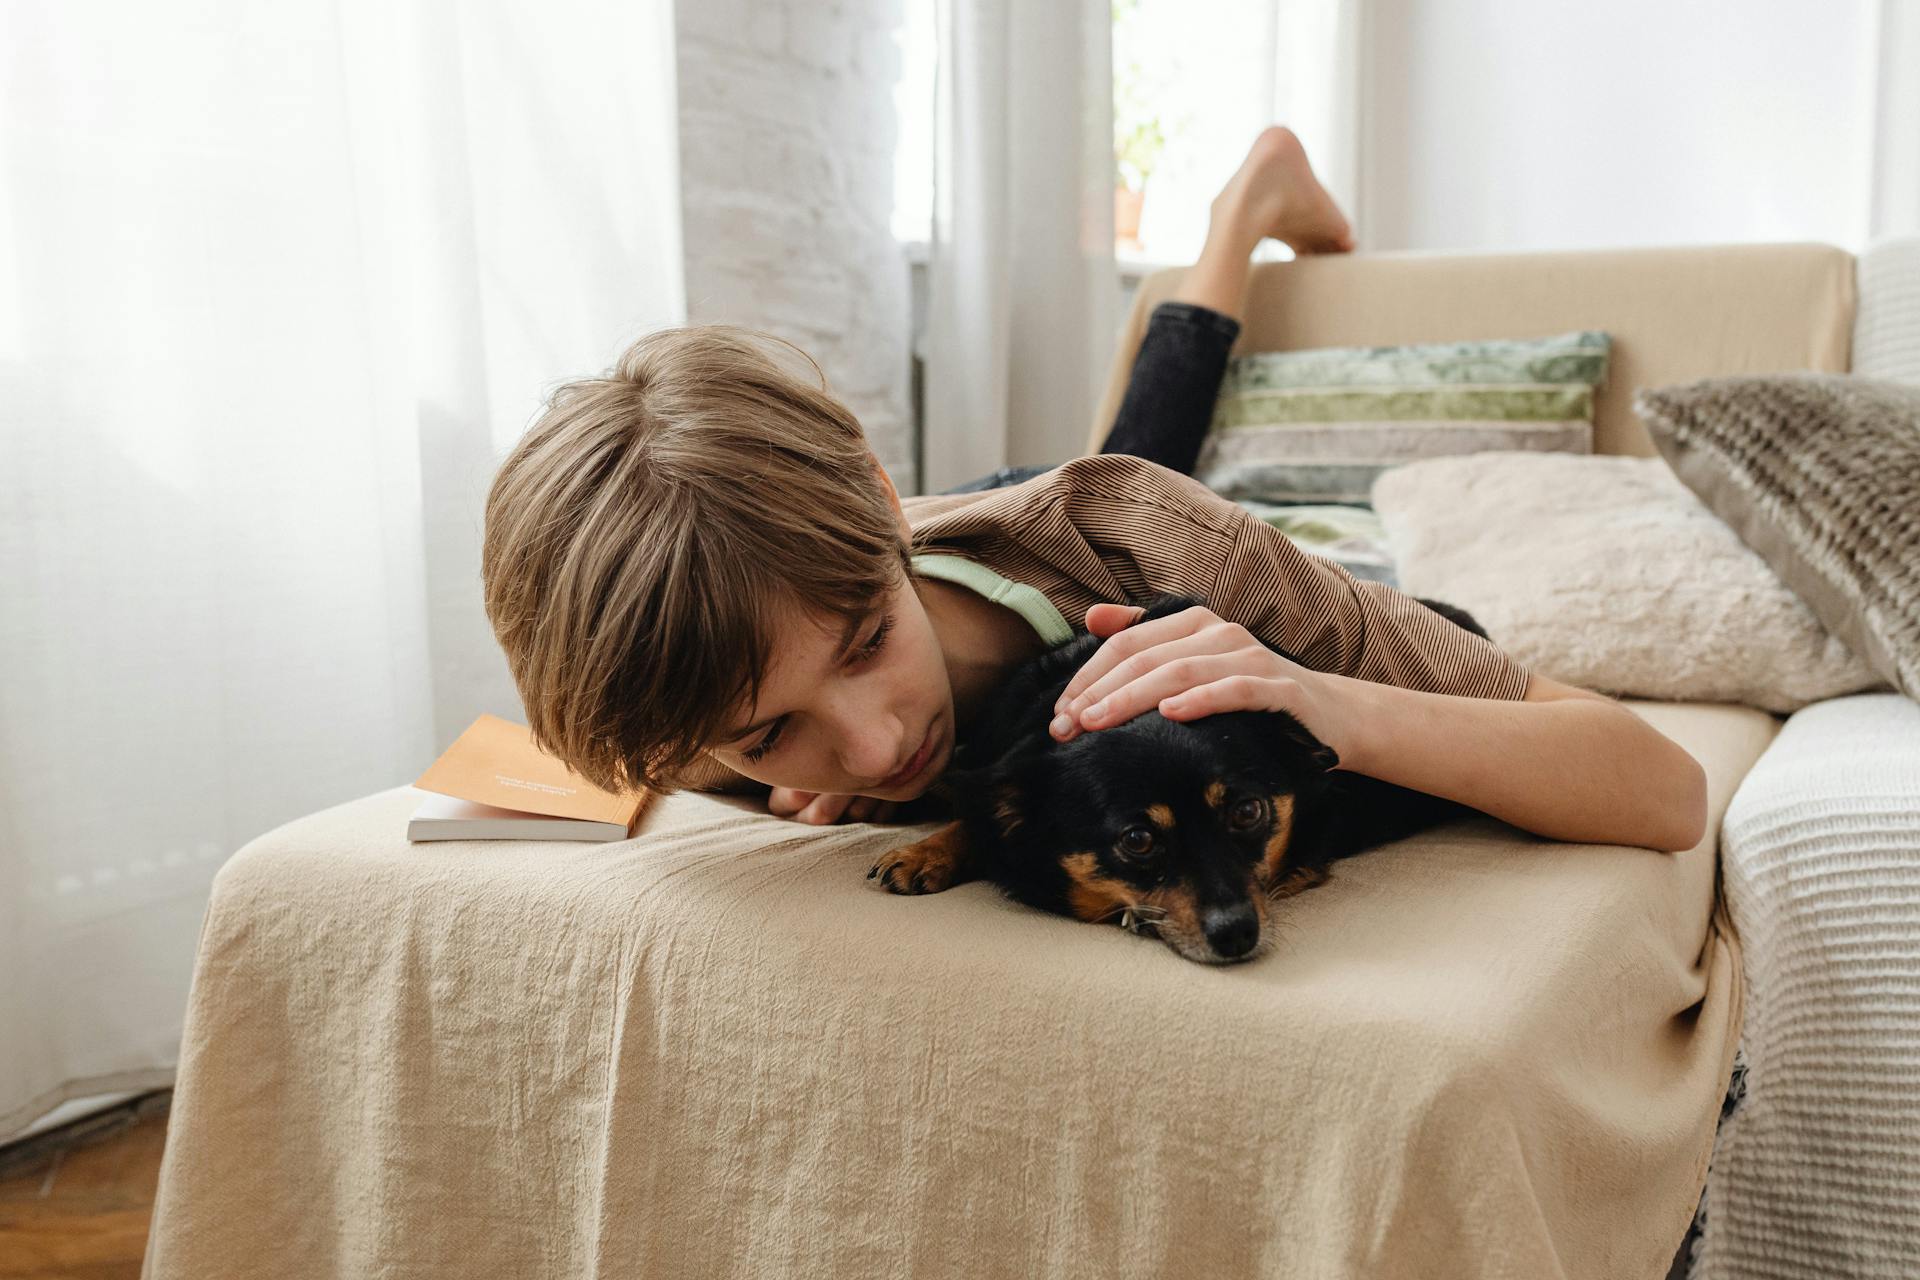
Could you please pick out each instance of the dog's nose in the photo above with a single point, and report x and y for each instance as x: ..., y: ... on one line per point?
x: 1231, y: 931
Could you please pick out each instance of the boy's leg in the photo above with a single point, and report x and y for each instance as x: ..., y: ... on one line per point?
x: 1175, y: 379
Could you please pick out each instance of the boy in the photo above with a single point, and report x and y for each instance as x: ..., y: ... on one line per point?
x: 701, y: 575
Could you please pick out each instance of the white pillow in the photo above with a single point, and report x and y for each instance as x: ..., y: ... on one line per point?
x: 1606, y: 572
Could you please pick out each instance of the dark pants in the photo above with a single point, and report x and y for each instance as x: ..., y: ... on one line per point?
x: 1168, y: 406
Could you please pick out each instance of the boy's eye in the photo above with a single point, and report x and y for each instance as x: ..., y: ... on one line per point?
x: 867, y: 651
x: 765, y: 744
x: 879, y: 640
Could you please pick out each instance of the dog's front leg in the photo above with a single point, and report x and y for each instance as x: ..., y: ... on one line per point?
x: 1299, y: 880
x: 938, y: 862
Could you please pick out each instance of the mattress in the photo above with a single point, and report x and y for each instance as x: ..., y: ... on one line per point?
x: 716, y: 1048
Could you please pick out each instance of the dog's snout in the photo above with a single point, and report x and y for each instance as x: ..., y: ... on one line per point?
x: 1231, y: 931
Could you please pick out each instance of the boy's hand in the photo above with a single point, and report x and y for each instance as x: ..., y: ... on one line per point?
x: 823, y: 808
x: 1187, y: 665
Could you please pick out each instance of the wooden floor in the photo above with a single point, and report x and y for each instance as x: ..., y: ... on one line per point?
x: 75, y: 1201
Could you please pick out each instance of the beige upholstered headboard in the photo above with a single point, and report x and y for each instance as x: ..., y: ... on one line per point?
x: 1673, y: 313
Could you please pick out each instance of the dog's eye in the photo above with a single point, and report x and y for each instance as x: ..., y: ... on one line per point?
x: 1135, y: 842
x: 1247, y: 813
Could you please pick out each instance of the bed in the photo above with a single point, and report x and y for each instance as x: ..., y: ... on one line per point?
x: 715, y: 1048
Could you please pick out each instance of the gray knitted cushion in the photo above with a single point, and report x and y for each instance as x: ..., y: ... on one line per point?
x: 1819, y: 473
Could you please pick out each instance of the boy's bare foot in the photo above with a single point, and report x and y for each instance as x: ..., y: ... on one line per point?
x: 1274, y: 193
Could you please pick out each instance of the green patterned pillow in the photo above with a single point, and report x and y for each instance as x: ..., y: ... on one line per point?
x: 1352, y: 537
x: 1318, y: 426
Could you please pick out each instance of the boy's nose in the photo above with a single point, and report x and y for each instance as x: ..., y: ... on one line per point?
x: 874, y: 752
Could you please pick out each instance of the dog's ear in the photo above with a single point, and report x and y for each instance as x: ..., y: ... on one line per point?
x: 1000, y: 793
x: 1009, y: 807
x: 1013, y: 796
x: 956, y: 787
x: 1298, y: 741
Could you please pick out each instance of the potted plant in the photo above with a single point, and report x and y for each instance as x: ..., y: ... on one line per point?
x: 1135, y: 152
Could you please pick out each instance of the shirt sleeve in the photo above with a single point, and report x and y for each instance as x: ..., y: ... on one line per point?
x: 1116, y: 527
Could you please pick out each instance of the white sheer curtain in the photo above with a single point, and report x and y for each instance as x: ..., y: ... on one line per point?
x: 278, y: 285
x: 1022, y: 297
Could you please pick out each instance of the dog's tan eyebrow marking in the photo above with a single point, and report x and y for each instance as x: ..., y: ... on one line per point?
x: 1216, y: 792
x: 1161, y: 814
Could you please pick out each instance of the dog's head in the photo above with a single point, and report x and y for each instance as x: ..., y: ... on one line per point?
x: 1186, y: 830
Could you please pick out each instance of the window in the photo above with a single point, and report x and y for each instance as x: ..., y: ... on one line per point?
x: 1188, y: 96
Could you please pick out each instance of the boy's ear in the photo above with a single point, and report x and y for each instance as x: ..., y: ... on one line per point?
x: 893, y: 494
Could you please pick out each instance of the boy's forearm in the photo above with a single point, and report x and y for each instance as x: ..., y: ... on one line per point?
x: 1577, y: 769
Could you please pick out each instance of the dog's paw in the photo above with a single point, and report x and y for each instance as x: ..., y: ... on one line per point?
x: 925, y: 866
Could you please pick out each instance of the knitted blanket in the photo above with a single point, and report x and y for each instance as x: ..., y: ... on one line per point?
x: 1817, y: 1171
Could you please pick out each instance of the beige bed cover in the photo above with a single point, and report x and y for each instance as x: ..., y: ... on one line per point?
x: 717, y: 1049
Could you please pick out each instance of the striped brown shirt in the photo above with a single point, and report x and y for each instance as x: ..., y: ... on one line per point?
x: 1117, y: 528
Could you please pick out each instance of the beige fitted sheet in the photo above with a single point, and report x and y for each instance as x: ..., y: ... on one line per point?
x: 717, y: 1049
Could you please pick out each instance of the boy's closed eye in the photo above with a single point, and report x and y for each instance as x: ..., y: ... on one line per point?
x: 760, y: 750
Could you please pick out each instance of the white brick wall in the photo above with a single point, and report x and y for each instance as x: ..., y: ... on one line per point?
x: 787, y: 130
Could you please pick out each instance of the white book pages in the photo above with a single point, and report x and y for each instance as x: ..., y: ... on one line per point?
x: 442, y: 817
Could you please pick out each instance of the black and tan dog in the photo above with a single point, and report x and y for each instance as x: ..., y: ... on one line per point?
x: 1187, y: 830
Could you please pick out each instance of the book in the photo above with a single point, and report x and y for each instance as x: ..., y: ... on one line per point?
x: 494, y: 784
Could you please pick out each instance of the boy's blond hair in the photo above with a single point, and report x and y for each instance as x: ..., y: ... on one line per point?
x: 650, y: 528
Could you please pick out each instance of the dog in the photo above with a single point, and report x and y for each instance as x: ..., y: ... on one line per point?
x: 1184, y: 830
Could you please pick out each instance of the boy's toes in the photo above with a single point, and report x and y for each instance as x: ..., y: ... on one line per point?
x: 1323, y: 240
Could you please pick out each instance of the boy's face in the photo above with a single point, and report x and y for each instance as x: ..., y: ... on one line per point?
x: 844, y: 723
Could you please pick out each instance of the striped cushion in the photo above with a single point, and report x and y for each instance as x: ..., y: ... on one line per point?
x: 1352, y: 537
x: 1318, y: 426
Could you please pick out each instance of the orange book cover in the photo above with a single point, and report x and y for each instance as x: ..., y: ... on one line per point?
x: 495, y: 762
